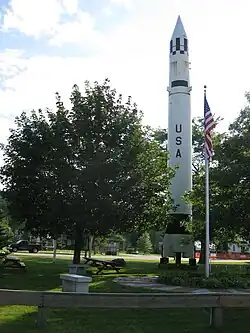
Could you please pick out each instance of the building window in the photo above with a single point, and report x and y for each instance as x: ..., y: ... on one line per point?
x: 171, y: 46
x: 178, y: 44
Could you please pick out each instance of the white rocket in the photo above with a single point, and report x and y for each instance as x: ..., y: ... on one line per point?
x: 179, y: 118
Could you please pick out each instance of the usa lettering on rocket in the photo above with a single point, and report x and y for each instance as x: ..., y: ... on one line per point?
x: 179, y: 118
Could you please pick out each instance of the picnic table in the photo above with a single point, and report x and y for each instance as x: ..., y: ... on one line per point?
x: 102, y: 264
x: 10, y: 261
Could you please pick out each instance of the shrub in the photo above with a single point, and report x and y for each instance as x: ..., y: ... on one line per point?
x: 120, y: 262
x: 4, y: 235
x: 144, y: 243
x: 217, y: 280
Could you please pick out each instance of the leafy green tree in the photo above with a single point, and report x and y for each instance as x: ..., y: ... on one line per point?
x: 160, y: 135
x: 233, y: 173
x: 218, y: 224
x: 144, y: 243
x: 87, y: 171
x: 229, y: 184
x: 156, y: 237
x: 131, y: 239
x: 6, y: 234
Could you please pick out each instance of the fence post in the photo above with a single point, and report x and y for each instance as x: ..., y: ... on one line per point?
x: 41, y: 315
x: 216, y: 317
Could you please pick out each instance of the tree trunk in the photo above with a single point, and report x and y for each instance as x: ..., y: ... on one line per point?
x: 202, y: 253
x: 90, y: 244
x: 25, y: 235
x: 78, y: 246
x: 54, y: 250
x: 178, y: 258
x: 86, y: 242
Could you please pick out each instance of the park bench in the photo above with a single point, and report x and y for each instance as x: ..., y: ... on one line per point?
x: 11, y: 262
x: 103, y: 264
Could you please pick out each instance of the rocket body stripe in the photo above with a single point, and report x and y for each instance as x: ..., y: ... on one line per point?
x: 179, y: 118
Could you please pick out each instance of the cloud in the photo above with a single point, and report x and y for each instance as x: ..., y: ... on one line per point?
x: 34, y: 87
x: 43, y: 76
x: 38, y: 18
x: 11, y: 64
x: 71, y: 6
x: 33, y: 17
x: 79, y: 31
x: 133, y: 54
x: 125, y: 3
x: 107, y: 11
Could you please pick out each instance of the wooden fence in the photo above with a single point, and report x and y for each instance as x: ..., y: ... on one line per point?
x: 215, y: 302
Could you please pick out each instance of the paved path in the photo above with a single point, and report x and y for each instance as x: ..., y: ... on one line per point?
x: 151, y: 283
x: 70, y: 256
x: 138, y: 257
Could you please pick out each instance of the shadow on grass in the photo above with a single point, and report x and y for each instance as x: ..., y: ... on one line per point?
x: 120, y: 321
x: 105, y: 321
x: 42, y: 274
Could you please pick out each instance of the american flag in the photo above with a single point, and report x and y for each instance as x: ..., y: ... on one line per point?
x: 209, y: 125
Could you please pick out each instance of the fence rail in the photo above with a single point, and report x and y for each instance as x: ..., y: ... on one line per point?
x: 43, y: 300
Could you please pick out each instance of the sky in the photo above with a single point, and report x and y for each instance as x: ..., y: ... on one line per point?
x: 48, y: 45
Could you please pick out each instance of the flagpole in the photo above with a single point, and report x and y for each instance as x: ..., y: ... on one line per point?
x: 207, y: 252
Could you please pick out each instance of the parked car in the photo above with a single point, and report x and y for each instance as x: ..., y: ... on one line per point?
x: 132, y: 251
x: 24, y: 245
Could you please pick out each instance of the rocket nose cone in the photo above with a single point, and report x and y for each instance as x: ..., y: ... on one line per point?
x: 179, y: 30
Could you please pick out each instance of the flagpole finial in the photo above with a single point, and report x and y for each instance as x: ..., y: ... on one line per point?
x: 205, y: 89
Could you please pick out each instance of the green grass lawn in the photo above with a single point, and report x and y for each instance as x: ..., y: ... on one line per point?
x: 42, y: 274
